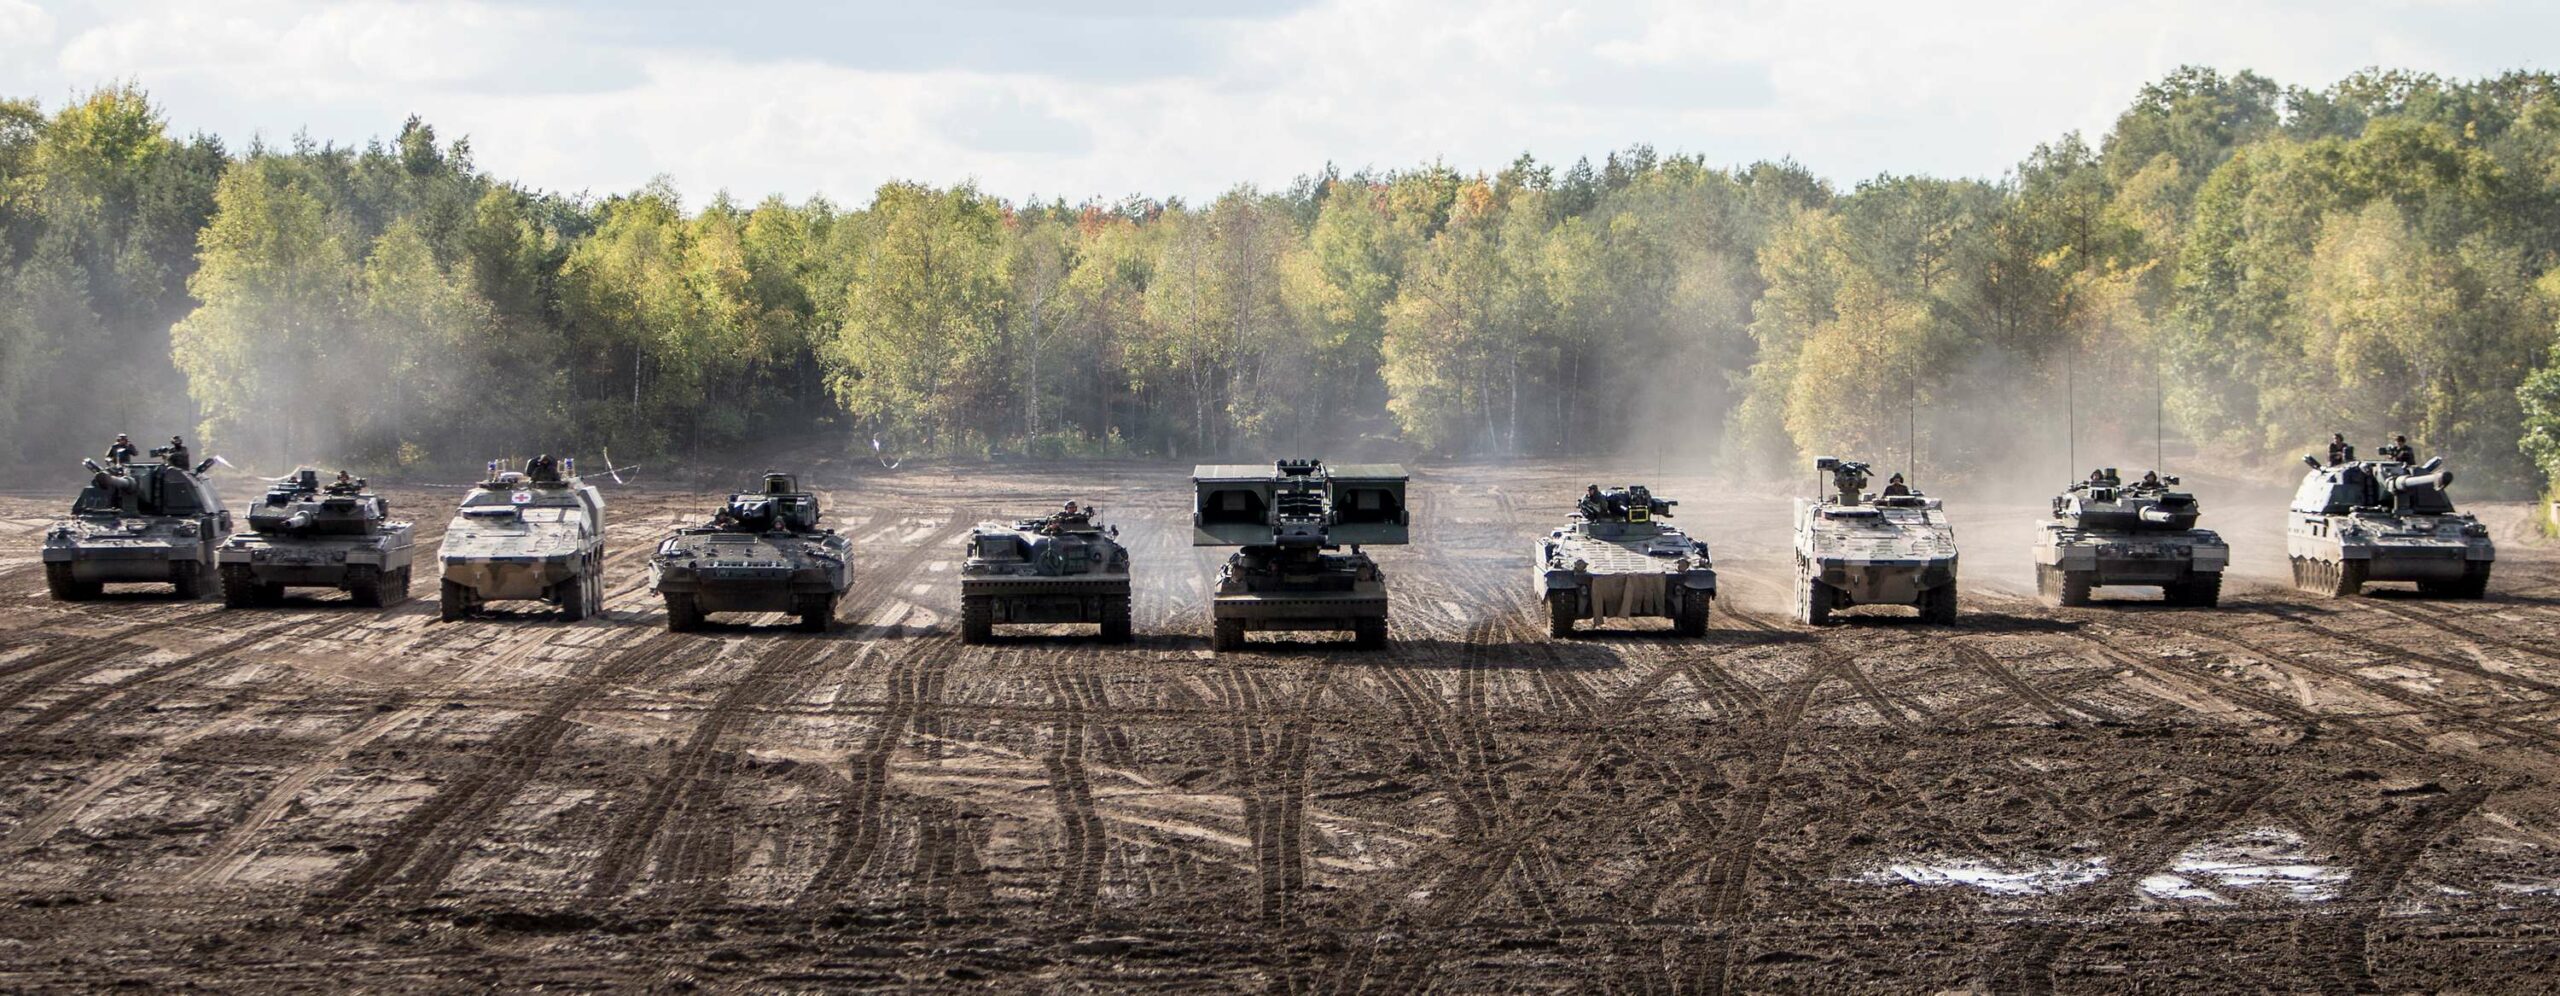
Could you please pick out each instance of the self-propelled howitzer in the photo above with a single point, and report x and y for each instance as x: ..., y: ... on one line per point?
x: 1291, y: 522
x: 147, y: 523
x: 2363, y: 521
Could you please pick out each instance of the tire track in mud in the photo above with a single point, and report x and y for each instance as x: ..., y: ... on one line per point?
x: 2435, y: 708
x: 417, y: 854
x: 1272, y: 776
x: 2018, y: 687
x: 2334, y: 948
x: 862, y: 823
x: 696, y: 859
x: 1084, y: 840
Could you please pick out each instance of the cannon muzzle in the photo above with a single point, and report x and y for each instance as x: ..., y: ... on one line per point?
x: 2157, y: 515
x: 299, y: 520
x: 2415, y: 482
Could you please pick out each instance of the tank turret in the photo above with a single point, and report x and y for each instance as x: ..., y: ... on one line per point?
x: 137, y: 523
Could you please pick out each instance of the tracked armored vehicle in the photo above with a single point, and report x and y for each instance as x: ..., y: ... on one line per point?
x: 1617, y: 559
x: 2107, y: 532
x: 1060, y: 568
x: 764, y: 552
x: 1290, y: 523
x: 306, y: 535
x: 535, y: 534
x: 2360, y: 521
x: 137, y: 524
x: 1855, y: 548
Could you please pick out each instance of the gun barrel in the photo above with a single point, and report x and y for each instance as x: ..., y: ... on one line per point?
x: 2413, y: 482
x: 298, y: 520
x: 2158, y: 516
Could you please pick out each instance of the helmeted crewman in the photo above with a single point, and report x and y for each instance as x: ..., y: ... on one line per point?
x: 2399, y: 449
x: 2339, y: 451
x: 346, y: 484
x: 122, y: 450
x: 177, y: 453
x: 1896, y: 487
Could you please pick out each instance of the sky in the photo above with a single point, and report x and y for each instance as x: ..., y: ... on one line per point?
x: 1189, y: 99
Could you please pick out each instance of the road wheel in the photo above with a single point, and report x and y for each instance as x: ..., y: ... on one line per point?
x: 1115, y: 619
x: 572, y: 594
x: 817, y: 613
x: 684, y: 614
x: 1813, y: 602
x: 398, y: 591
x: 1692, y: 620
x: 2074, y: 588
x: 455, y: 602
x: 2347, y: 578
x: 58, y: 581
x: 1938, y: 605
x: 1226, y: 634
x: 977, y: 619
x: 240, y: 589
x: 187, y: 576
x: 1563, y: 607
x: 1369, y: 634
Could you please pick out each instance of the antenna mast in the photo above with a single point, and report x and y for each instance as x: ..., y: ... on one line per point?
x: 2071, y: 413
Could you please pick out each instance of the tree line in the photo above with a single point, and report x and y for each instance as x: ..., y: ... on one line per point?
x: 2251, y: 266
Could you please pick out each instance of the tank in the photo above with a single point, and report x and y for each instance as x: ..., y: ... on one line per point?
x: 1291, y: 522
x: 143, y: 523
x: 1061, y: 568
x: 1859, y: 548
x: 2356, y: 522
x: 303, y: 534
x: 1617, y: 559
x: 763, y: 552
x: 2106, y: 532
x: 537, y: 534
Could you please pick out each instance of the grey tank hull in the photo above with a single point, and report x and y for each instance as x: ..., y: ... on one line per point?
x: 320, y: 561
x: 1032, y: 600
x: 133, y: 562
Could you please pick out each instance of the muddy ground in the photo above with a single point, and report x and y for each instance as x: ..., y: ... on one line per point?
x: 2285, y: 794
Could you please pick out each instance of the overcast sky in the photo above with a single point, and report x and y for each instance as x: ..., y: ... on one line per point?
x: 1164, y: 97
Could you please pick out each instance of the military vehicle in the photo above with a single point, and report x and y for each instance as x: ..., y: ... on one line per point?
x: 2362, y: 521
x: 1290, y: 522
x: 1855, y: 548
x: 1616, y: 559
x: 1059, y: 568
x: 2107, y: 532
x: 534, y: 534
x: 148, y: 523
x: 763, y: 552
x: 306, y: 535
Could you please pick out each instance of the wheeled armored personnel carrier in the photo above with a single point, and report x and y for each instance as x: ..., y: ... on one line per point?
x: 534, y: 534
x: 303, y: 534
x: 1060, y: 568
x: 1856, y: 548
x: 1291, y: 523
x: 2107, y: 532
x: 1617, y: 559
x: 145, y: 523
x: 2362, y: 521
x: 764, y: 552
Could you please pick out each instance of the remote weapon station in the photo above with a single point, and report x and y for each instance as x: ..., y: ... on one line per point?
x: 1291, y: 523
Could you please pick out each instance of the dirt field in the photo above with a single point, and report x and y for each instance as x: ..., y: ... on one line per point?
x: 2286, y: 794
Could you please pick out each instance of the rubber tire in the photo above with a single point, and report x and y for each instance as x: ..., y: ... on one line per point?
x: 977, y: 619
x: 1938, y: 605
x: 1692, y: 620
x: 1115, y: 619
x: 2072, y: 589
x: 1226, y: 634
x: 187, y: 578
x: 1813, y: 602
x: 58, y: 582
x: 240, y: 587
x: 1369, y: 634
x: 572, y: 593
x: 1563, y: 607
x: 817, y: 613
x: 453, y: 602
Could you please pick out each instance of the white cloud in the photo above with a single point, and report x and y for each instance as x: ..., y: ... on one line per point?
x: 589, y: 97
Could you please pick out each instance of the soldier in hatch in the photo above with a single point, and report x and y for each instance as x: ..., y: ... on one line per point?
x: 176, y: 453
x: 1593, y: 504
x: 1895, y: 487
x: 2151, y: 479
x: 2339, y: 451
x: 346, y: 484
x: 122, y: 450
x: 2399, y: 449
